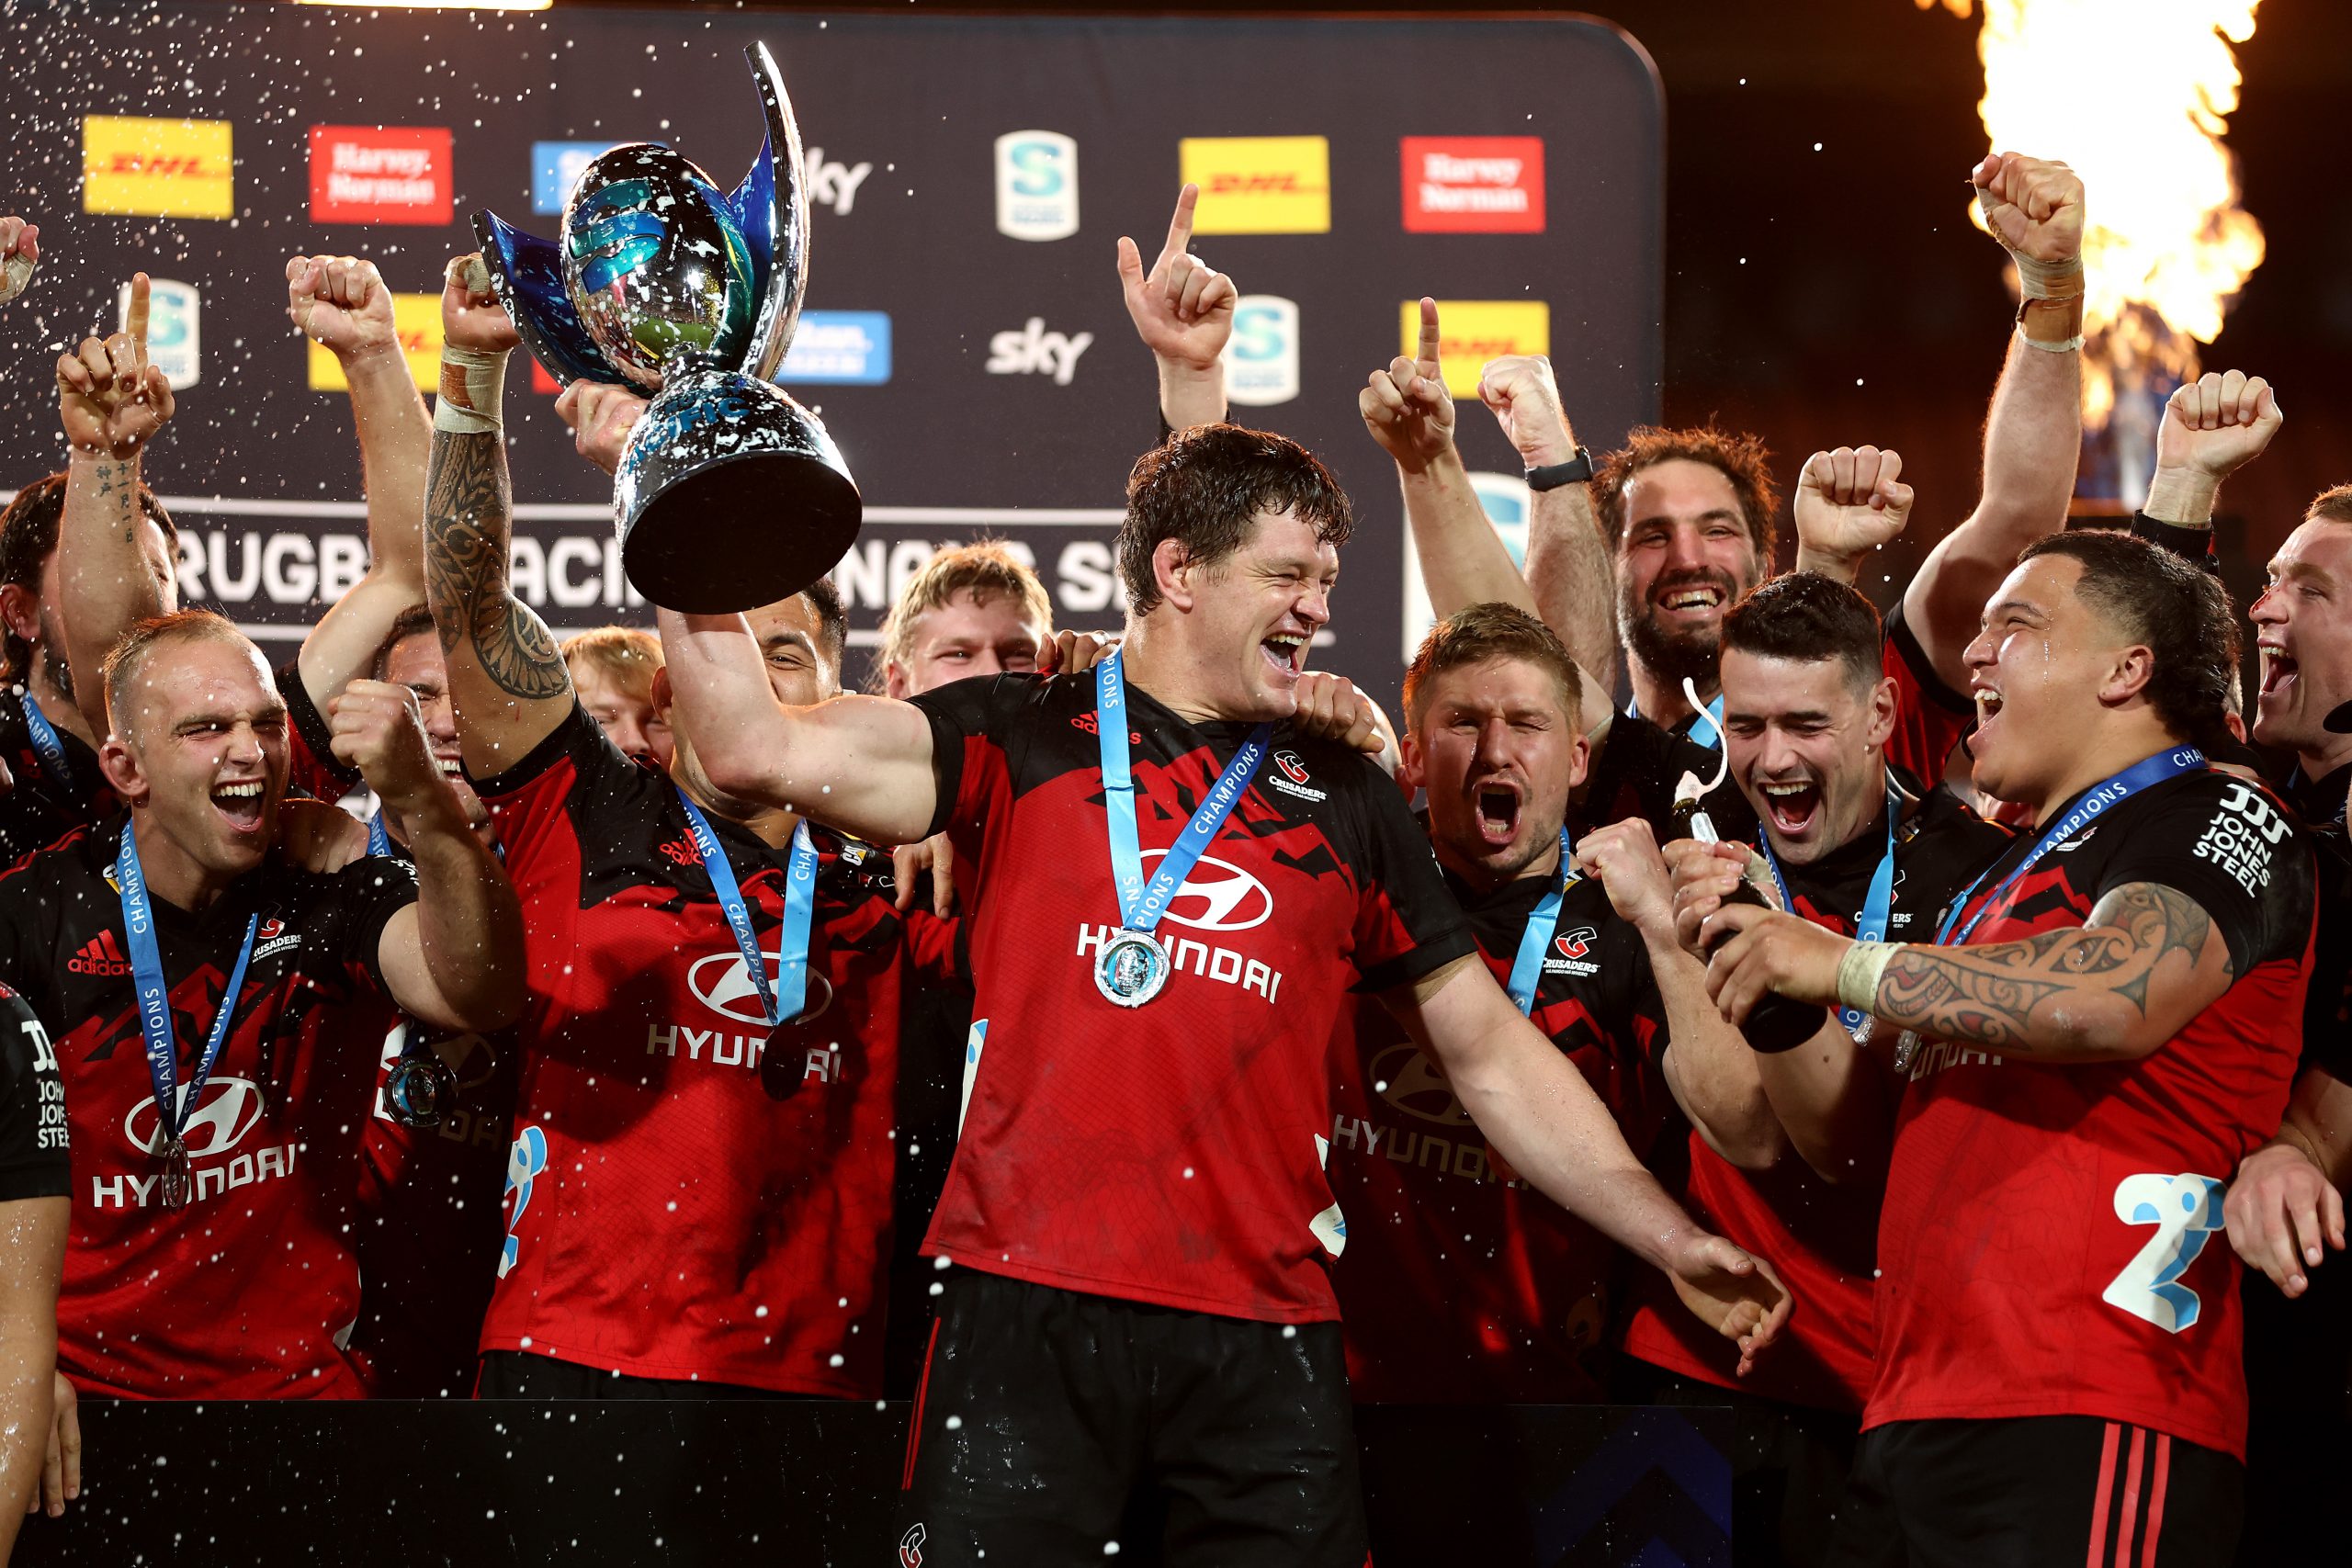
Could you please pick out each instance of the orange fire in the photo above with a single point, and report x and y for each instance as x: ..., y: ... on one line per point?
x: 2135, y: 94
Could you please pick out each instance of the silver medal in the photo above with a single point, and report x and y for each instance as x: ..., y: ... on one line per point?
x: 1131, y: 968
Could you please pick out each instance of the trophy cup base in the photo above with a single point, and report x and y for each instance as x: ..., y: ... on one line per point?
x: 731, y: 496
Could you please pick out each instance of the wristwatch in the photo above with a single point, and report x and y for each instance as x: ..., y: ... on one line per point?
x: 1552, y: 476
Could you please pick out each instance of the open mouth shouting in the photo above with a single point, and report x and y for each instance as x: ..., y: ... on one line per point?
x: 1285, y: 652
x: 2279, y: 673
x: 1499, y: 802
x: 240, y: 802
x: 1988, y: 709
x: 1794, y: 805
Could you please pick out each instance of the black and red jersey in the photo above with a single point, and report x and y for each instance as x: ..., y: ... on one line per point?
x: 1170, y: 1153
x: 673, y: 1209
x: 242, y: 1294
x: 312, y: 765
x: 2052, y: 1238
x: 1930, y: 718
x: 1821, y: 1236
x: 430, y: 1225
x: 41, y: 807
x: 1460, y: 1282
x: 34, y: 1135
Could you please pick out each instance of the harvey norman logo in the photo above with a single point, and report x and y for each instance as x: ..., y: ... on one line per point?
x: 157, y: 168
x: 1036, y: 185
x: 362, y: 174
x: 1259, y: 184
x: 1473, y: 184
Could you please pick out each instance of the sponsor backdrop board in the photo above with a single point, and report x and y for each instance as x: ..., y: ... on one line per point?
x: 964, y: 341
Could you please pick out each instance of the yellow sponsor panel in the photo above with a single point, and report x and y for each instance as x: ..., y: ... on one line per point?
x: 1472, y: 332
x: 157, y: 168
x: 417, y: 318
x: 1260, y: 185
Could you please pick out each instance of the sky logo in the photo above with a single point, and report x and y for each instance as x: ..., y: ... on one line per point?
x: 555, y: 169
x: 840, y: 347
x: 1261, y: 357
x: 1036, y: 185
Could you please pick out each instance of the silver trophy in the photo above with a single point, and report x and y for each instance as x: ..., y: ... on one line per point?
x: 729, y: 494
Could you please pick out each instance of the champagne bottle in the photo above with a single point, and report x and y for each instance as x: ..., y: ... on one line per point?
x: 1777, y: 1022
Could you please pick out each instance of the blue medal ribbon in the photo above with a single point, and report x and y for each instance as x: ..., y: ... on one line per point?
x: 1527, y: 969
x: 154, y: 998
x: 380, y: 838
x: 46, y: 745
x: 1876, y: 904
x: 784, y: 1000
x: 1142, y: 903
x: 2109, y: 793
x: 1712, y: 713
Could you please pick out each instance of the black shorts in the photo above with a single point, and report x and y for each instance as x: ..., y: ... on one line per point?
x: 1050, y: 1425
x: 2065, y: 1491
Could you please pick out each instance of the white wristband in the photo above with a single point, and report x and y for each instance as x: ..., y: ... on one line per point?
x: 1858, y: 971
x: 473, y: 388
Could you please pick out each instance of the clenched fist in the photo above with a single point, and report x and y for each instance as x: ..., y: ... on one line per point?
x: 379, y: 730
x: 1525, y: 400
x: 601, y: 417
x: 341, y: 303
x: 19, y: 253
x: 471, y: 316
x: 2033, y: 206
x: 2218, y: 424
x: 1848, y: 503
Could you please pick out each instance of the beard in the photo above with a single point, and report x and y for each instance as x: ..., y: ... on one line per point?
x: 1674, y: 656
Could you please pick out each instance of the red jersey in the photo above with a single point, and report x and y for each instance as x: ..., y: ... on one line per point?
x: 1170, y: 1153
x: 668, y: 1215
x: 2052, y: 1238
x: 1461, y: 1283
x: 1820, y: 1236
x: 1929, y: 716
x: 312, y: 765
x: 244, y: 1294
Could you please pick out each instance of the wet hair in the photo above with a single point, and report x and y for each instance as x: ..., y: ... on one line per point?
x: 1741, y: 460
x: 630, y: 654
x: 131, y: 652
x: 1805, y: 617
x: 2331, y: 505
x: 29, y: 537
x: 1484, y: 632
x: 1204, y: 488
x: 2174, y: 609
x: 985, y: 568
x: 411, y: 622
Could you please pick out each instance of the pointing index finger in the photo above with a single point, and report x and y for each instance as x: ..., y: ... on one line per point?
x: 138, y: 325
x: 1180, y: 227
x: 1428, y: 331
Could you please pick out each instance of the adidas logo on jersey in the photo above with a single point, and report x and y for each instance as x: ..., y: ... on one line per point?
x: 102, y: 955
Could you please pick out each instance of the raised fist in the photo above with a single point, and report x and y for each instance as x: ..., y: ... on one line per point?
x: 471, y: 316
x: 601, y: 417
x: 1182, y: 309
x: 341, y: 302
x: 2218, y: 424
x: 2034, y: 205
x: 1519, y: 387
x: 1406, y: 407
x: 20, y: 251
x: 111, y: 401
x: 1849, y: 502
x: 379, y: 730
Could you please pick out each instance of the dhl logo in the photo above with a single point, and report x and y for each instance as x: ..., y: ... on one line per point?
x: 1260, y: 185
x: 1472, y: 332
x: 417, y: 319
x: 159, y: 168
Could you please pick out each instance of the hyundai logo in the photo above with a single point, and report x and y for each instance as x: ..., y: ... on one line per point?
x: 224, y: 1114
x: 1217, y: 896
x: 723, y: 981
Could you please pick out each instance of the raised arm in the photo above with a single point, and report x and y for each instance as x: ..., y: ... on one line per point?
x: 1464, y: 561
x: 112, y: 403
x: 2033, y: 435
x: 1848, y: 503
x: 859, y: 764
x: 1537, y: 1111
x: 2148, y: 960
x: 1569, y: 567
x: 343, y: 304
x: 2211, y: 427
x: 1708, y: 1066
x: 454, y: 958
x: 507, y: 680
x: 1184, y: 311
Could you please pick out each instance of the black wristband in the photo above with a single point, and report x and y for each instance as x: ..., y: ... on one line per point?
x: 2189, y: 544
x: 1552, y: 476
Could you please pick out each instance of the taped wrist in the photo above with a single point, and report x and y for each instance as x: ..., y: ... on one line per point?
x: 1859, y: 973
x: 473, y: 387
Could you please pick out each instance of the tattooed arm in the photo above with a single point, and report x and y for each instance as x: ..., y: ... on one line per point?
x: 2149, y: 960
x: 506, y: 678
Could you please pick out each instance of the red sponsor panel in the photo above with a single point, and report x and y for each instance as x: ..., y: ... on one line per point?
x: 1473, y: 184
x: 362, y: 174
